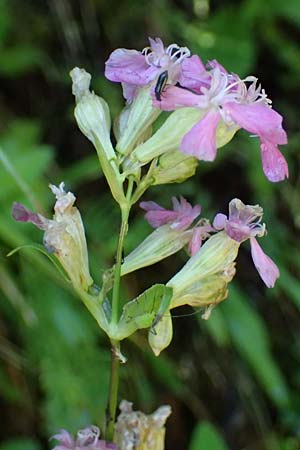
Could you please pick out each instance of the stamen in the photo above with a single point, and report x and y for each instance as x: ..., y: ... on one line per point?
x: 147, y: 50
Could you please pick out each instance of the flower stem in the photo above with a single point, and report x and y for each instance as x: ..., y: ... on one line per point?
x: 115, y: 355
x: 113, y: 390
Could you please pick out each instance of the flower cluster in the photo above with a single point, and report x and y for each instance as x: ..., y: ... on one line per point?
x: 203, y: 280
x: 179, y: 80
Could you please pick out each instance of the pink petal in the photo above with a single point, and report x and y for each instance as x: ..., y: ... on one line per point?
x: 129, y: 66
x: 174, y: 97
x: 21, y: 214
x: 196, y: 241
x: 200, y: 141
x: 65, y: 439
x: 158, y: 218
x: 193, y: 74
x: 212, y: 64
x: 181, y: 217
x: 157, y: 45
x: 219, y: 221
x: 148, y: 206
x: 267, y: 269
x: 274, y: 164
x: 129, y: 91
x: 259, y: 119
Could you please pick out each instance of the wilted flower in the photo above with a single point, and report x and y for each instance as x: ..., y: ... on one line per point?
x: 244, y: 222
x: 64, y: 235
x: 228, y: 99
x: 87, y: 439
x: 135, y: 430
x: 136, y: 69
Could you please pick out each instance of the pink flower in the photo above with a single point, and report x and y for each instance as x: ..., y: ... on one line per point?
x: 244, y: 222
x: 135, y: 69
x: 180, y: 218
x: 227, y: 98
x: 87, y: 439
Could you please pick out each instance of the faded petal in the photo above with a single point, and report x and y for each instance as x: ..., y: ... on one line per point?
x: 200, y: 141
x: 65, y: 439
x: 129, y: 66
x: 274, y: 163
x: 266, y: 268
x: 64, y: 200
x: 257, y: 118
x: 88, y: 436
x: 21, y: 214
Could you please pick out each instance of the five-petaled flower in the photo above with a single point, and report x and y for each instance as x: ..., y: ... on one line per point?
x: 227, y: 98
x: 242, y: 223
x: 136, y: 69
x: 180, y: 218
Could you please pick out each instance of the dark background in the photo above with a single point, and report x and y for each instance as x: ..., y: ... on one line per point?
x: 233, y: 382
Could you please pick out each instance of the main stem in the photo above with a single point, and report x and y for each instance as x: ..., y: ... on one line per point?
x: 115, y: 350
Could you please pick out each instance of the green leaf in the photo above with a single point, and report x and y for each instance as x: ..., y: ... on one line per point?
x: 144, y: 311
x: 206, y: 437
x: 250, y: 337
x: 41, y: 249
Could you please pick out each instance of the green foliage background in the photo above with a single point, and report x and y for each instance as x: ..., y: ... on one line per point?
x: 233, y: 382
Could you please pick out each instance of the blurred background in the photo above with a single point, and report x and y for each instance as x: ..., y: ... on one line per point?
x: 234, y: 381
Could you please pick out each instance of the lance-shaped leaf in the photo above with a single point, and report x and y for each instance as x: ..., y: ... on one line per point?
x: 144, y: 311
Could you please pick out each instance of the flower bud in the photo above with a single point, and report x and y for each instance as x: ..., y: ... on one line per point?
x: 168, y: 136
x: 174, y: 167
x: 160, y: 336
x: 203, y: 279
x: 91, y: 112
x: 136, y: 118
x: 93, y: 118
x: 161, y: 243
x: 138, y: 431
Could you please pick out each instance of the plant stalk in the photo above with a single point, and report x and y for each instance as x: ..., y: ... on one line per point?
x: 115, y: 354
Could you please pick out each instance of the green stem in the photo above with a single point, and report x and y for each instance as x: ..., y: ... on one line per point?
x: 113, y: 390
x: 117, y: 274
x: 115, y: 356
